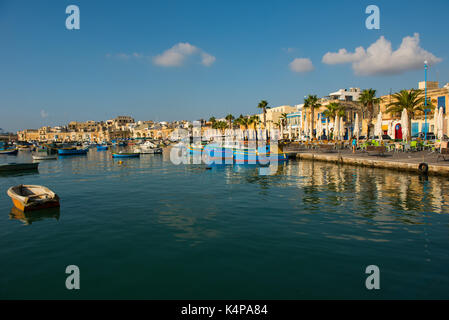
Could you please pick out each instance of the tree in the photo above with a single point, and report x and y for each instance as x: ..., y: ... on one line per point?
x: 367, y: 100
x: 283, y: 123
x: 255, y: 119
x: 311, y: 102
x: 332, y: 110
x: 212, y: 119
x: 264, y: 106
x: 221, y: 125
x: 230, y: 117
x: 412, y: 101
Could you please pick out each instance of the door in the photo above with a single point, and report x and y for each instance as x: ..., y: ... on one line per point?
x: 398, y: 131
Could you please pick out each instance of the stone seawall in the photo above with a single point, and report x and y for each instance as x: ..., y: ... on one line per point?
x: 398, y: 165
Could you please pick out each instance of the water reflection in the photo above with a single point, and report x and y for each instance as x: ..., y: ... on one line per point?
x: 370, y: 190
x: 29, y: 217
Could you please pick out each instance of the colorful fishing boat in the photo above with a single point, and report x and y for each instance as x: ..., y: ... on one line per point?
x: 148, y: 148
x: 14, y: 167
x: 10, y: 152
x: 72, y: 151
x: 32, y: 197
x: 126, y: 155
x: 102, y: 147
x: 238, y: 153
x: 44, y: 154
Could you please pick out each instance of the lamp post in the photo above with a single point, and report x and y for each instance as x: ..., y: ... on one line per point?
x: 425, y: 100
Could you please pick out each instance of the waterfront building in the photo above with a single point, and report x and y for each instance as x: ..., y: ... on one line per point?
x: 294, y: 121
x: 274, y: 115
x: 351, y: 94
x: 437, y: 96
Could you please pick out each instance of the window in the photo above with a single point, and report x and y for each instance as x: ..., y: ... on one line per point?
x: 442, y: 103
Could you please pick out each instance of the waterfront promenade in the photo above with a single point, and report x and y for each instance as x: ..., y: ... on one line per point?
x: 400, y: 161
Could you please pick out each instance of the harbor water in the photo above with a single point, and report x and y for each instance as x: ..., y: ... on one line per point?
x: 145, y: 228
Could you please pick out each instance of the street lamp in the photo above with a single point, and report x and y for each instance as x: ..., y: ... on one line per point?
x: 425, y: 100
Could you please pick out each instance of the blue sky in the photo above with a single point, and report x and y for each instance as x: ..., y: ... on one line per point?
x: 51, y: 75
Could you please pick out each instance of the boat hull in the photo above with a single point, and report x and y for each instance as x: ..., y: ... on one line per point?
x: 52, y: 157
x: 14, y: 167
x: 28, y: 201
x: 9, y: 152
x: 126, y: 155
x: 23, y: 207
x: 72, y: 152
x: 151, y: 151
x: 102, y: 148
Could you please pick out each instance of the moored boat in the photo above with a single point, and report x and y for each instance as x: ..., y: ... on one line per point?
x: 238, y: 153
x: 33, y: 197
x: 44, y: 154
x: 9, y: 152
x: 72, y: 151
x: 44, y: 157
x: 13, y: 167
x: 148, y: 148
x: 126, y: 155
x: 102, y: 147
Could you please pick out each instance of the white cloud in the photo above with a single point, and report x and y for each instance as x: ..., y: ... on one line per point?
x: 380, y: 58
x: 177, y: 55
x: 301, y: 65
x: 207, y: 59
x: 343, y: 56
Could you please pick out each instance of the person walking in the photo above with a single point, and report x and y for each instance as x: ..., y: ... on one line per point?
x: 354, y: 144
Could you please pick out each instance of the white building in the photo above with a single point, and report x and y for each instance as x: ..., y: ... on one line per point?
x: 352, y: 94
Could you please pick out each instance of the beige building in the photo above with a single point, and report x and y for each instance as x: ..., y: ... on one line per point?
x: 439, y: 98
x: 274, y: 115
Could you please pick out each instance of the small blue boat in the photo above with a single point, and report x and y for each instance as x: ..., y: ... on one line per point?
x: 72, y: 151
x: 102, y: 148
x: 125, y: 155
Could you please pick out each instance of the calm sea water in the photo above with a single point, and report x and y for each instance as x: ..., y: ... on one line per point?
x: 149, y: 229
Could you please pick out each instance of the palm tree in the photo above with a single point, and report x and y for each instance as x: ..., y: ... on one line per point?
x: 212, y: 119
x: 412, y: 101
x: 255, y: 119
x: 312, y: 103
x: 264, y: 106
x: 368, y: 100
x: 244, y: 121
x: 221, y: 125
x: 230, y: 117
x: 283, y: 123
x: 332, y: 110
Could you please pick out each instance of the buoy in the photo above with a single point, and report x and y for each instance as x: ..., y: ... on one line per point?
x: 120, y: 162
x: 423, y: 168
